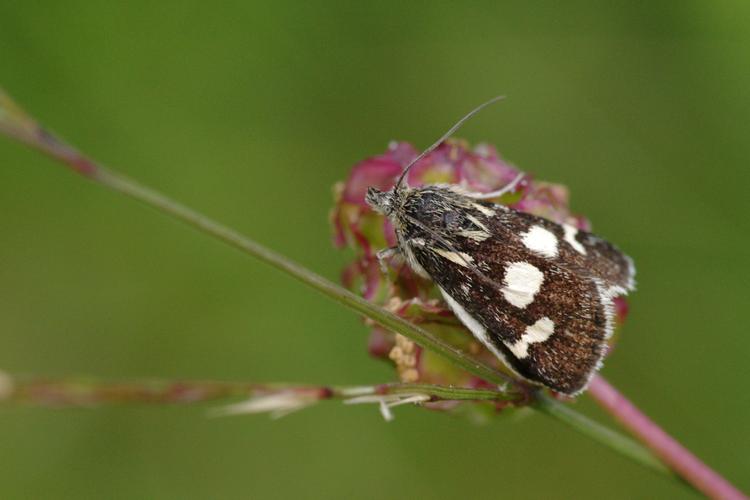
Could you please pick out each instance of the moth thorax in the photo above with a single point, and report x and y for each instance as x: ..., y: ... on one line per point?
x: 431, y: 208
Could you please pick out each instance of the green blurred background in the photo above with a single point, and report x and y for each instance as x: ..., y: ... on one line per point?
x: 250, y: 112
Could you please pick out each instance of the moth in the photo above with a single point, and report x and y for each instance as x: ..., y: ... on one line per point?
x: 538, y: 294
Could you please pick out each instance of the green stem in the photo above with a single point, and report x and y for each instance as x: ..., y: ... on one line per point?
x: 19, y: 125
x: 621, y: 444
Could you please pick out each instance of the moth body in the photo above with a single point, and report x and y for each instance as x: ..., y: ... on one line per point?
x: 536, y: 293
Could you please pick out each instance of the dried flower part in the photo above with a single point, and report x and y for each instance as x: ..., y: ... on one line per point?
x: 404, y: 293
x: 404, y: 354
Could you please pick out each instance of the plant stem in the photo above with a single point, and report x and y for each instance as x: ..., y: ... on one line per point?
x: 18, y: 124
x: 598, y: 432
x: 679, y: 458
x: 93, y: 392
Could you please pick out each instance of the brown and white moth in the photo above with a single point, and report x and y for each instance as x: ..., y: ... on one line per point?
x: 536, y: 293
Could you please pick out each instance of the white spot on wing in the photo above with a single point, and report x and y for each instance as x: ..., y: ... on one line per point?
x: 534, y: 334
x: 570, y: 237
x: 485, y: 210
x: 460, y: 258
x: 477, y: 223
x: 474, y: 235
x: 479, y: 331
x: 522, y: 282
x: 412, y: 260
x: 631, y: 273
x: 540, y: 240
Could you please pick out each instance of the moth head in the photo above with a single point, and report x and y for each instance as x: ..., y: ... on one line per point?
x: 380, y: 201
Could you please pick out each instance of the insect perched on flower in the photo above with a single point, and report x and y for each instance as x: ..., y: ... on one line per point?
x: 537, y: 293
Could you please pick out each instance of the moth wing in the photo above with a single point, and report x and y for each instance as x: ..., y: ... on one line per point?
x: 577, y: 250
x: 537, y: 294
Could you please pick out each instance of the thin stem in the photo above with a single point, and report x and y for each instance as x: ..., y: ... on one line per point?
x: 598, y: 432
x: 687, y: 465
x: 19, y: 125
x: 92, y: 392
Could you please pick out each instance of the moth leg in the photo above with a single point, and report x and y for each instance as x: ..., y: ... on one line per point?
x: 508, y: 188
x: 385, y: 254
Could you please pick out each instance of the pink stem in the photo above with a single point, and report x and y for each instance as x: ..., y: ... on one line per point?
x: 676, y: 456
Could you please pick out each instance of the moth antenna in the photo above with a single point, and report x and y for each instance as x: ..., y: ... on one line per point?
x: 450, y: 132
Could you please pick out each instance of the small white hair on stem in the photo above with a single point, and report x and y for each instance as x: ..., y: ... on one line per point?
x: 278, y: 404
x: 388, y: 401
